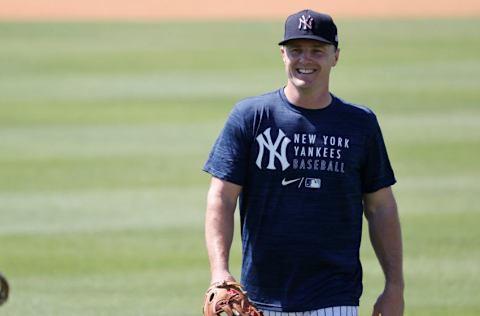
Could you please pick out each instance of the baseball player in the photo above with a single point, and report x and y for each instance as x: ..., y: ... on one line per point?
x: 305, y: 166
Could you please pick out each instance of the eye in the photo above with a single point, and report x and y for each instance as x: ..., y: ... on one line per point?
x: 294, y: 51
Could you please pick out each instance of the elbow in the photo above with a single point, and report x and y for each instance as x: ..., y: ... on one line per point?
x: 217, y: 201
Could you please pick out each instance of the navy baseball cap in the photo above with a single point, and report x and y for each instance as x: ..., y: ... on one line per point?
x: 308, y: 24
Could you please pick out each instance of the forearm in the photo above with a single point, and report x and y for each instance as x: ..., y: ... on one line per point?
x: 219, y: 228
x: 385, y: 235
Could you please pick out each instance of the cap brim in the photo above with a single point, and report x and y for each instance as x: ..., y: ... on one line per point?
x: 312, y: 37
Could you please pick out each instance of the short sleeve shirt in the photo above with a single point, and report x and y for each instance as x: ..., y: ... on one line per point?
x: 303, y: 173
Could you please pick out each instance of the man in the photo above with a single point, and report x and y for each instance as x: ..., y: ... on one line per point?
x: 305, y: 165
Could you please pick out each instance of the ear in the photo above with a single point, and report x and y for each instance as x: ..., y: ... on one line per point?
x: 283, y: 52
x: 337, y: 55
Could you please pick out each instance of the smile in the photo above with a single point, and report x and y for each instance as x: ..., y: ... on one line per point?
x: 305, y: 71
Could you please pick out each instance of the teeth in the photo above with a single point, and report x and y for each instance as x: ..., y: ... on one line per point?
x: 305, y: 71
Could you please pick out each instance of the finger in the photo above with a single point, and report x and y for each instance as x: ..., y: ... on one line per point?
x: 376, y: 311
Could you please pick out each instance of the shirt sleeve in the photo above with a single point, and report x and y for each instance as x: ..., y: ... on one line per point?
x: 229, y: 155
x: 377, y: 171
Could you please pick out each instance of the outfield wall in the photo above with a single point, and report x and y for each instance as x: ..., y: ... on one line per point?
x: 220, y: 10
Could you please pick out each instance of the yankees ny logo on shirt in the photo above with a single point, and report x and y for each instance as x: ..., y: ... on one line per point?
x: 265, y: 141
x: 305, y: 22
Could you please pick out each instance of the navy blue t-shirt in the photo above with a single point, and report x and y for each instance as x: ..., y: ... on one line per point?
x: 303, y: 173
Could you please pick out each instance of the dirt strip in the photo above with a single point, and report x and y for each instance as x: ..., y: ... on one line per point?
x: 224, y: 10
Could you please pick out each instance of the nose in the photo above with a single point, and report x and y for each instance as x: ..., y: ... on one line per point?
x: 305, y: 56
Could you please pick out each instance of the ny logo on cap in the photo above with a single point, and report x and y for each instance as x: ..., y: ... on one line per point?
x: 305, y: 22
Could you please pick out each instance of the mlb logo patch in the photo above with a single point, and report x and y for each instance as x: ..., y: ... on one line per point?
x: 313, y: 183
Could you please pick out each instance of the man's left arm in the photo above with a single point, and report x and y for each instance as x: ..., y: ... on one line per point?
x: 385, y: 235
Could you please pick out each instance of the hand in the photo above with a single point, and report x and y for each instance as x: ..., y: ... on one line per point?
x: 390, y: 302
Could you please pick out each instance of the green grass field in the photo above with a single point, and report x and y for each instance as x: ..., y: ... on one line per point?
x: 104, y: 128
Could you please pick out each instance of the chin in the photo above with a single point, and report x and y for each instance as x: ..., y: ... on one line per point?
x: 299, y: 84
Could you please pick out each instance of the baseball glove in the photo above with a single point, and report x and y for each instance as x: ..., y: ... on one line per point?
x: 228, y: 298
x: 3, y: 289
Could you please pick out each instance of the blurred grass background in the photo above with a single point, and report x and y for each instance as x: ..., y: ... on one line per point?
x: 104, y: 128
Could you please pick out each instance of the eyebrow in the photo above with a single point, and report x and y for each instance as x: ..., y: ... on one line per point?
x: 301, y: 46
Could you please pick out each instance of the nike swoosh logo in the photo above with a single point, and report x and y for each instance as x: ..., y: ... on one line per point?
x: 287, y: 182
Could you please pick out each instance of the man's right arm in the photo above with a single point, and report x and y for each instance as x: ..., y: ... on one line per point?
x: 219, y: 226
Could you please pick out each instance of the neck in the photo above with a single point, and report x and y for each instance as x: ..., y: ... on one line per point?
x: 309, y: 98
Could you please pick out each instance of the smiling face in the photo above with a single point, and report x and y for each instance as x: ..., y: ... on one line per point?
x: 308, y: 64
